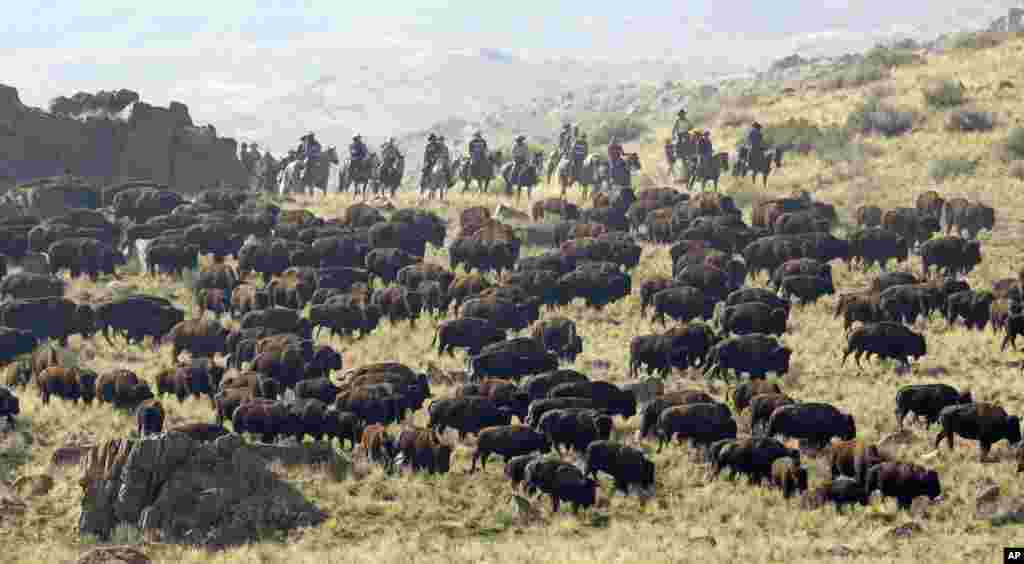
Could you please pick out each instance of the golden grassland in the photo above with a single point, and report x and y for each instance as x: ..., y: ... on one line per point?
x: 467, y: 518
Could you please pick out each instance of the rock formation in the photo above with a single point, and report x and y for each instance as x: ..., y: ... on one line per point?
x: 108, y: 137
x: 212, y: 494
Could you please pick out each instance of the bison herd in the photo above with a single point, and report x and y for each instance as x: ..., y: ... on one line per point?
x: 286, y: 279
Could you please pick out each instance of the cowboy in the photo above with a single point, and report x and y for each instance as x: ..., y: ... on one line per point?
x: 579, y: 153
x: 429, y: 154
x: 704, y: 147
x: 389, y: 150
x: 614, y: 151
x: 357, y: 149
x: 520, y: 155
x: 310, y: 147
x: 441, y: 152
x: 477, y: 147
x: 755, y: 143
x: 564, y: 139
x: 682, y: 125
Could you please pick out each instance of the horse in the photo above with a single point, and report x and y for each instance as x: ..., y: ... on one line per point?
x: 685, y: 152
x: 315, y: 174
x: 481, y: 170
x: 439, y: 177
x: 526, y: 177
x: 620, y: 176
x: 388, y: 175
x: 709, y: 171
x: 762, y: 166
x: 290, y: 177
x: 358, y: 174
x: 554, y: 160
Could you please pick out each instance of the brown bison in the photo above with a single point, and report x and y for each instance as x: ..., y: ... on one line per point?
x: 986, y: 423
x: 70, y: 384
x: 854, y: 458
x: 379, y: 446
x: 904, y: 481
x: 508, y: 441
x: 150, y: 417
x: 789, y: 476
x: 424, y: 451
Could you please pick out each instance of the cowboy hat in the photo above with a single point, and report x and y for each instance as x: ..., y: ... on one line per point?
x: 757, y: 125
x: 682, y: 111
x: 521, y: 138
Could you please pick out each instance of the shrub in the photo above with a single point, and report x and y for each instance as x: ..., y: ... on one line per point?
x: 857, y: 75
x: 1017, y: 170
x: 625, y: 129
x: 873, y: 116
x: 944, y: 94
x: 892, y: 56
x: 970, y: 120
x: 1015, y: 143
x: 942, y: 169
x: 837, y: 146
x: 976, y: 40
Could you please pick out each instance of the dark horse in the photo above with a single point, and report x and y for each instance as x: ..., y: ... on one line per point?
x: 388, y: 175
x: 480, y: 170
x: 708, y: 170
x: 745, y: 162
x: 527, y: 177
x: 316, y: 173
x: 438, y: 178
x: 357, y: 174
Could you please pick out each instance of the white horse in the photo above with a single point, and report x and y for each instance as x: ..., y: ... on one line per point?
x: 290, y: 178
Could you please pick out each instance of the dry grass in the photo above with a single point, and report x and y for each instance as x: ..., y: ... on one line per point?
x: 462, y: 518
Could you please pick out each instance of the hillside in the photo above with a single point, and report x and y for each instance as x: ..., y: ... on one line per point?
x: 460, y: 517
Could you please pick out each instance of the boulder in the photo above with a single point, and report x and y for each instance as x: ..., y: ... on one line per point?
x: 212, y: 494
x: 55, y: 195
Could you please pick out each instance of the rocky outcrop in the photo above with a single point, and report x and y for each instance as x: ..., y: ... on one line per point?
x: 1012, y: 22
x: 212, y: 494
x: 111, y: 136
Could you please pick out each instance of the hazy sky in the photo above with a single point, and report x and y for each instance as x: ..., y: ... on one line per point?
x: 236, y: 59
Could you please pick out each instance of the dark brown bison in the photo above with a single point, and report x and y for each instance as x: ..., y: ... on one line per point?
x: 815, y: 422
x: 562, y: 482
x: 854, y: 458
x: 605, y: 395
x: 763, y: 405
x: 575, y: 428
x: 986, y: 423
x: 702, y: 423
x: 423, y: 450
x: 755, y: 354
x: 789, y: 476
x: 625, y: 464
x: 652, y: 410
x: 558, y: 335
x: 266, y: 418
x: 904, y: 481
x: 69, y: 384
x: 841, y: 491
x: 200, y: 337
x: 742, y: 394
x: 201, y: 432
x: 467, y: 332
x: 508, y: 441
x: 952, y: 255
x: 869, y: 216
x: 927, y: 400
x: 379, y: 446
x: 887, y: 340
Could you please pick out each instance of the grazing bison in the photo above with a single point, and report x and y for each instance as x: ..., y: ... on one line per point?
x: 379, y: 446
x: 927, y: 400
x: 515, y: 468
x: 818, y: 423
x: 537, y: 387
x: 69, y: 384
x: 806, y: 288
x: 789, y: 476
x: 467, y: 332
x: 14, y: 343
x: 754, y: 317
x: 575, y: 428
x: 887, y: 340
x: 123, y: 389
x: 266, y: 418
x: 511, y: 364
x: 869, y: 216
x: 952, y: 255
x: 508, y: 441
x: 702, y: 423
x: 652, y: 410
x: 958, y: 214
x: 904, y: 481
x: 841, y: 491
x: 763, y: 405
x: 625, y: 464
x: 424, y: 451
x: 558, y: 335
x: 9, y: 406
x: 200, y: 337
x: 984, y: 422
x: 682, y: 304
x: 854, y: 458
x: 467, y: 415
x: 562, y: 482
x: 751, y: 456
x: 742, y: 394
x: 606, y: 396
x: 973, y: 306
x: 755, y: 354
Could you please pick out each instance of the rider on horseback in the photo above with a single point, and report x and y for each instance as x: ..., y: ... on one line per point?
x: 705, y: 151
x: 755, y: 144
x: 681, y: 127
x: 389, y: 150
x: 565, y: 140
x: 520, y: 155
x: 477, y: 148
x: 309, y: 148
x: 615, y: 163
x: 579, y: 153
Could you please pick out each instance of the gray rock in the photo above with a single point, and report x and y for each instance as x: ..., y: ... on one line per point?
x: 216, y: 494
